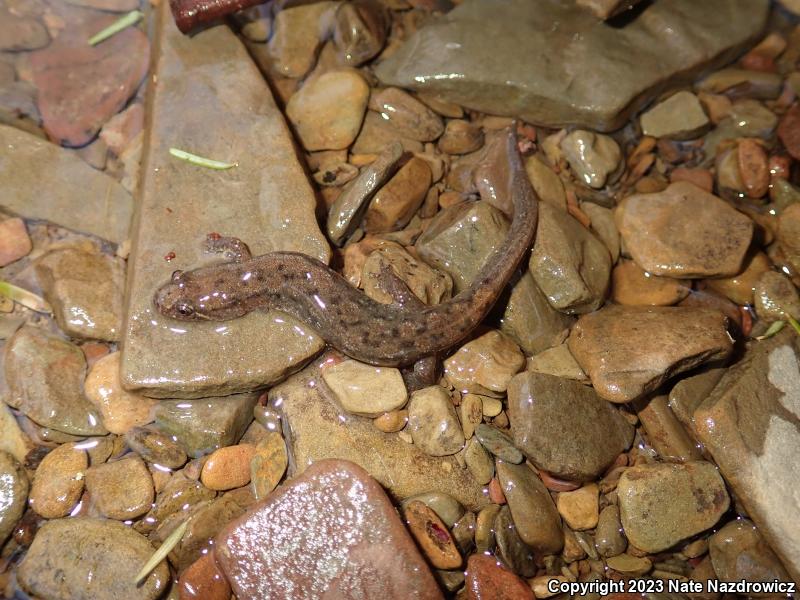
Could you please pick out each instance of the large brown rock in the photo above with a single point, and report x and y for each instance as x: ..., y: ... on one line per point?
x: 564, y: 427
x: 739, y: 552
x: 492, y: 56
x: 749, y: 424
x: 334, y: 515
x: 628, y: 351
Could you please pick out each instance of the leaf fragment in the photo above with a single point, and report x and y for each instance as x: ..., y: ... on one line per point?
x: 123, y: 22
x: 25, y: 298
x: 201, y: 161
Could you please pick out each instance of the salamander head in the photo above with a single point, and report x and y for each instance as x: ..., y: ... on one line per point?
x: 192, y: 296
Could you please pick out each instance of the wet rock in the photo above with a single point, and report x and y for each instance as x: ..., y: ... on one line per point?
x: 212, y: 100
x: 121, y: 129
x: 396, y: 202
x: 58, y: 481
x: 629, y: 351
x: 81, y: 86
x: 407, y: 115
x: 498, y: 443
x: 753, y: 167
x: 740, y: 287
x: 558, y: 362
x: 45, y: 375
x: 563, y: 426
x: 268, y: 464
x: 789, y: 131
x: 204, y: 579
x: 62, y: 189
x: 596, y: 84
x: 297, y: 35
x: 629, y: 564
x: 14, y: 487
x: 605, y: 9
x: 662, y: 503
x: 478, y: 461
x: 426, y: 283
x: 365, y: 390
x: 665, y: 433
x: 789, y: 234
x: 19, y: 32
x: 487, y: 578
x: 545, y: 182
x: 447, y: 508
x: 739, y: 552
x: 470, y: 412
x: 484, y: 365
x: 609, y: 539
x: 515, y: 553
x: 759, y: 84
x: 12, y: 438
x: 535, y: 516
x: 569, y: 264
x: 85, y: 291
x: 460, y: 250
x: 530, y: 320
x: 604, y: 227
x: 316, y: 428
x: 432, y: 422
x: 354, y: 528
x: 14, y: 241
x: 109, y: 5
x: 747, y: 424
x: 377, y: 133
x: 360, y: 30
x: 461, y: 137
x: 684, y: 232
x: 580, y: 508
x: 228, y: 468
x: 328, y: 110
x: 391, y: 422
x: 203, y: 425
x: 122, y: 489
x: 119, y: 409
x: 431, y: 535
x: 155, y: 447
x: 592, y: 157
x: 776, y: 297
x: 633, y: 286
x: 342, y: 217
x: 89, y: 558
x: 688, y: 393
x: 180, y: 495
x: 679, y: 117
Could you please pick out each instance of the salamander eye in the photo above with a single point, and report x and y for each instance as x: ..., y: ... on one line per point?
x: 187, y: 310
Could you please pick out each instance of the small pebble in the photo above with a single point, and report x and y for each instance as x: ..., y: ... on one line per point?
x: 365, y: 390
x: 753, y: 167
x: 460, y: 137
x: 484, y: 365
x: 479, y: 462
x: 488, y: 579
x: 471, y: 412
x: 629, y: 565
x: 58, y: 481
x: 203, y: 580
x: 432, y: 535
x: 580, y: 508
x: 432, y: 422
x: 122, y: 489
x: 155, y: 447
x: 268, y: 464
x: 391, y: 422
x: 592, y: 156
x: 498, y: 443
x: 14, y: 241
x: 228, y: 468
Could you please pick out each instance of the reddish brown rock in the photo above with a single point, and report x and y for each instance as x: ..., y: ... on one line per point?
x: 81, y: 86
x: 14, y: 241
x: 203, y: 580
x: 333, y: 513
x: 789, y: 131
x: 488, y: 580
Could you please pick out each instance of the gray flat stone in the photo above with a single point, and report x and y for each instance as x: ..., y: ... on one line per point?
x: 44, y: 181
x: 316, y: 428
x: 552, y: 64
x: 211, y: 100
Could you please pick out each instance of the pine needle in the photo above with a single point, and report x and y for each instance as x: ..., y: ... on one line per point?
x: 772, y: 330
x: 201, y: 161
x: 25, y: 298
x: 123, y: 22
x: 160, y: 554
x: 793, y: 322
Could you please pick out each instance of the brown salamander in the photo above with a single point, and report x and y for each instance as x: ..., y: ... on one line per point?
x: 381, y: 334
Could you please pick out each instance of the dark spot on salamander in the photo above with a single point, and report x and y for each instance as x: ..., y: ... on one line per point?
x: 394, y: 332
x: 281, y: 267
x: 219, y: 283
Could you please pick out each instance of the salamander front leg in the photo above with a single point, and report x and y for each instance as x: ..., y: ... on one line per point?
x: 233, y: 248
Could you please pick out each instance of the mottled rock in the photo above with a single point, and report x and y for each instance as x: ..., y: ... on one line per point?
x: 629, y: 351
x: 662, y: 503
x: 559, y: 362
x: 431, y: 535
x: 316, y: 428
x: 364, y: 389
x: 633, y: 286
x: 580, y: 508
x: 789, y: 234
x: 478, y: 461
x: 679, y: 117
x: 739, y: 552
x: 547, y: 185
x: 81, y: 86
x: 596, y: 84
x: 608, y: 537
x: 58, y: 481
x: 488, y: 579
x: 297, y: 34
x: 514, y: 552
x: 212, y: 100
x: 665, y: 433
x: 45, y: 376
x: 85, y: 291
x: 759, y: 84
x: 180, y: 495
x: 155, y: 447
x: 201, y: 426
x: 741, y: 286
x: 14, y: 241
x: 396, y: 202
x: 327, y: 111
x: 498, y: 443
x: 20, y: 32
x: 62, y: 189
x: 461, y: 137
x: 535, y: 516
x: 82, y: 559
x: 569, y: 264
x: 776, y: 296
x: 410, y: 117
x: 684, y: 232
x: 119, y: 409
x: 593, y: 157
x: 563, y: 426
x: 14, y: 487
x: 122, y: 489
x: 268, y: 464
x: 121, y: 129
x: 377, y: 133
x: 426, y: 283
x: 484, y: 365
x: 432, y: 422
x: 748, y: 425
x: 341, y: 516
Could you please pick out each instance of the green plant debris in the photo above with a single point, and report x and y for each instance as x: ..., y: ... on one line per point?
x: 25, y: 298
x: 123, y: 22
x: 201, y: 161
x: 162, y: 552
x: 793, y: 322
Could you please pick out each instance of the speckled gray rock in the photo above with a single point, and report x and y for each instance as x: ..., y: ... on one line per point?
x: 212, y: 100
x: 432, y: 422
x: 14, y: 486
x: 564, y: 427
x: 603, y: 74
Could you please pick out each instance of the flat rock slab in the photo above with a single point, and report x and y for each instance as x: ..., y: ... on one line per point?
x: 749, y: 424
x: 316, y: 428
x: 43, y: 181
x: 628, y: 351
x: 211, y: 100
x: 554, y: 65
x: 330, y: 533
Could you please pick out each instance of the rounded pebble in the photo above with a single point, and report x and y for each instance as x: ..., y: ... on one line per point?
x: 432, y: 536
x: 58, y: 482
x: 268, y: 464
x: 228, y: 468
x: 155, y: 447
